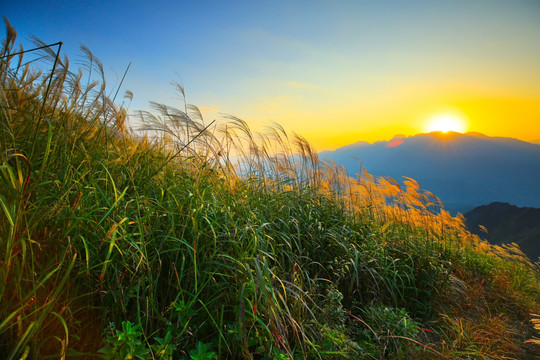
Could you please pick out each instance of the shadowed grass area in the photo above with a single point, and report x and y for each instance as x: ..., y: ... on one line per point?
x: 202, y: 242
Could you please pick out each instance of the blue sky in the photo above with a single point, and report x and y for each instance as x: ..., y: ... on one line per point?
x: 335, y: 71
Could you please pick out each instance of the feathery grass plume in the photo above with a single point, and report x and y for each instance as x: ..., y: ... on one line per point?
x: 535, y: 320
x: 194, y: 237
x: 7, y: 44
x: 42, y: 307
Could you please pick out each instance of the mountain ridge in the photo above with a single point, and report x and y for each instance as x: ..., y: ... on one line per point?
x: 464, y: 170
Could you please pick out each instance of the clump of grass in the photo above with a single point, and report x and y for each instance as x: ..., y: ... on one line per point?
x: 196, y: 239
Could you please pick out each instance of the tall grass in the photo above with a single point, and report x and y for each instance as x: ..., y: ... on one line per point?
x: 195, y: 239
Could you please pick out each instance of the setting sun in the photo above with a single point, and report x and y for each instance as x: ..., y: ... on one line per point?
x: 445, y: 123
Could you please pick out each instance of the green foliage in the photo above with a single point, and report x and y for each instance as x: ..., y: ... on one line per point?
x: 387, y: 320
x: 332, y: 309
x: 387, y: 331
x: 278, y: 256
x: 125, y: 344
x: 202, y: 352
x: 337, y: 345
x: 163, y: 349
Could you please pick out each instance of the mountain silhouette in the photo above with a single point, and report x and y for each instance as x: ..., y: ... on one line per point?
x: 463, y: 170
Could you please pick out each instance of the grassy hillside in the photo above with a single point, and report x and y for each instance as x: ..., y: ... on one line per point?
x: 220, y: 243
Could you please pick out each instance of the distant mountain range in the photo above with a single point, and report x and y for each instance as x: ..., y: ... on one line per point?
x: 507, y: 223
x: 463, y: 170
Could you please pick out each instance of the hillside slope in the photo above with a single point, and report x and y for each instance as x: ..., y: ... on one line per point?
x: 507, y: 223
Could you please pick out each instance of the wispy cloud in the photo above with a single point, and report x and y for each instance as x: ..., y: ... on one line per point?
x: 211, y: 109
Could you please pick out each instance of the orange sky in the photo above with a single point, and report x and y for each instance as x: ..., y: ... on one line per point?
x: 494, y: 112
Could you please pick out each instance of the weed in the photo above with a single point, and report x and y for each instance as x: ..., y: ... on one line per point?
x: 125, y: 344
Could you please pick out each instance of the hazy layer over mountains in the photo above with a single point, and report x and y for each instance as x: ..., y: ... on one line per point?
x: 463, y: 170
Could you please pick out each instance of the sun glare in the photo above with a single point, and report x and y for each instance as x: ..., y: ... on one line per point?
x: 445, y: 123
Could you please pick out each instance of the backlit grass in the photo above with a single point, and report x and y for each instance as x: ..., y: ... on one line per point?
x: 199, y: 242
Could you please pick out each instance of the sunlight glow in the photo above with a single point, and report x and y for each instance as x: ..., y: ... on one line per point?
x: 445, y: 123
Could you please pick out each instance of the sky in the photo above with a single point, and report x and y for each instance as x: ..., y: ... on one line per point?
x: 336, y: 72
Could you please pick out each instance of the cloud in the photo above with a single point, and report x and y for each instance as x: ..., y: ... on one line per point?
x: 205, y: 109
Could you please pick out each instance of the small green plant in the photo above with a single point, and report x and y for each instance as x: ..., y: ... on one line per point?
x: 163, y: 349
x: 125, y: 343
x: 337, y: 345
x: 333, y: 309
x: 202, y: 352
